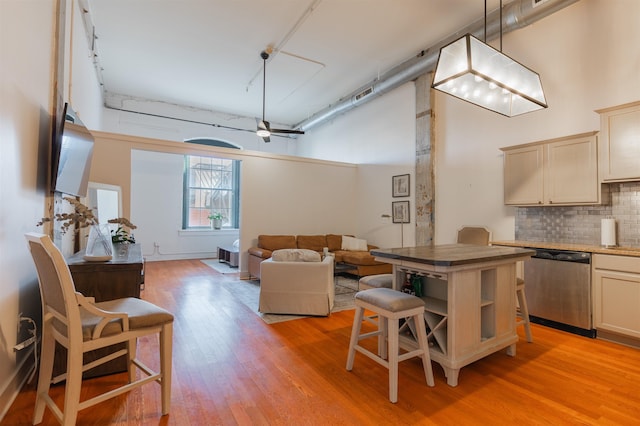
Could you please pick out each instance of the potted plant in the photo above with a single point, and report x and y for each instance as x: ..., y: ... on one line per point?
x: 216, y: 220
x: 123, y: 234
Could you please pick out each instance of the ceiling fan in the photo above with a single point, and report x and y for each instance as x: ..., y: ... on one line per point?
x: 264, y: 128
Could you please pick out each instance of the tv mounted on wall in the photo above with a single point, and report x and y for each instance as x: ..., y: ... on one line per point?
x: 71, y: 155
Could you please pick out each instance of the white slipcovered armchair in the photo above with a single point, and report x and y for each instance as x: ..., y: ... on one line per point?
x: 297, y: 287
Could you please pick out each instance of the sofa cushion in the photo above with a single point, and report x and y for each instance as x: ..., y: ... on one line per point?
x: 312, y: 242
x: 276, y: 242
x: 358, y: 258
x: 338, y: 255
x: 295, y: 255
x: 260, y: 252
x: 353, y: 244
x: 334, y: 242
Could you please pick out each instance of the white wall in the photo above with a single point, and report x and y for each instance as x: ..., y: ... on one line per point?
x: 379, y: 136
x: 25, y: 90
x: 587, y: 57
x: 81, y: 89
x: 158, y: 214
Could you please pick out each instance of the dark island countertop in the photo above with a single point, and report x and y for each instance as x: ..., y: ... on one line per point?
x: 619, y: 251
x: 451, y: 254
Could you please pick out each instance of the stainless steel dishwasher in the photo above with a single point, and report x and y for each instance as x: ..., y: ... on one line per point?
x: 558, y: 290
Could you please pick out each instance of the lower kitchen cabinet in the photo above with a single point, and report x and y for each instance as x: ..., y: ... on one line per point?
x: 616, y: 294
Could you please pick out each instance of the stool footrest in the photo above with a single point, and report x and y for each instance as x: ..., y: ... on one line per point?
x: 373, y: 356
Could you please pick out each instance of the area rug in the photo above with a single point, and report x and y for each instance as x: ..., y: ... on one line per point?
x: 223, y: 268
x: 248, y: 292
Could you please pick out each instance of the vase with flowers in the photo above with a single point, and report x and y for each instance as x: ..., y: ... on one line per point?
x: 100, y: 240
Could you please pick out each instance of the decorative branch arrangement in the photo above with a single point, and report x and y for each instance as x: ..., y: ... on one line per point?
x: 83, y: 217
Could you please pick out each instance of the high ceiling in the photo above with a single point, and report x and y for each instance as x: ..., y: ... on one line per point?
x: 206, y: 53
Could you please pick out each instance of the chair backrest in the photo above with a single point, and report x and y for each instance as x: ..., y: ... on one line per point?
x: 478, y: 235
x: 56, y: 283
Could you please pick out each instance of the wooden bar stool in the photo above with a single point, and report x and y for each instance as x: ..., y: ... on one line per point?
x: 522, y: 314
x: 390, y: 306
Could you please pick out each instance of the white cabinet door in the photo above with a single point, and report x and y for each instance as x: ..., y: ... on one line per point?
x: 616, y: 291
x: 571, y: 173
x: 620, y: 144
x: 523, y: 180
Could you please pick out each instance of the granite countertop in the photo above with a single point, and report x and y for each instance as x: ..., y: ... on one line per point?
x: 451, y: 254
x: 620, y: 251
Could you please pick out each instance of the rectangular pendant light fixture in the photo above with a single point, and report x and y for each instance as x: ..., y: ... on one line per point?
x: 476, y: 72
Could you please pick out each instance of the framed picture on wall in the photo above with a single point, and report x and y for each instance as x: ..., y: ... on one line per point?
x: 400, y: 185
x: 400, y: 210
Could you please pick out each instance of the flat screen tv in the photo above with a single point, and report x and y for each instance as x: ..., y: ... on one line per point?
x: 71, y: 156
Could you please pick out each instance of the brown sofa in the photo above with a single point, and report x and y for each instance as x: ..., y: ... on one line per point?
x: 362, y: 261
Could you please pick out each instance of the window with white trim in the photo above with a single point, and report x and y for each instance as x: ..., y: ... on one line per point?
x: 211, y: 185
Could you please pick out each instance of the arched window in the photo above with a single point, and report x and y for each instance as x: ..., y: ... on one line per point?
x: 211, y: 185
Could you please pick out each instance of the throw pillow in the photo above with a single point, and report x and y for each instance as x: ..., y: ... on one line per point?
x: 295, y: 255
x: 353, y: 244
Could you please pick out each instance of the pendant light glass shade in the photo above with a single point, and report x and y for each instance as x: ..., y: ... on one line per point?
x: 476, y: 72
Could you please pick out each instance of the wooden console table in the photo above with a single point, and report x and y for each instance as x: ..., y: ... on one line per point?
x: 470, y: 299
x: 120, y: 277
x: 117, y: 278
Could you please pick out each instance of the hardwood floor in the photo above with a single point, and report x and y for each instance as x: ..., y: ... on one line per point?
x: 229, y: 367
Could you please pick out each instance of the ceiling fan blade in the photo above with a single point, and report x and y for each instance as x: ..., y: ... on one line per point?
x: 288, y: 131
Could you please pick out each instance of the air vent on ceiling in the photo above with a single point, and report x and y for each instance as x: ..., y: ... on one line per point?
x: 366, y: 92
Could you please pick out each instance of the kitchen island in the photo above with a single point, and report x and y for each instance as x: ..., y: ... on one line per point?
x: 470, y: 298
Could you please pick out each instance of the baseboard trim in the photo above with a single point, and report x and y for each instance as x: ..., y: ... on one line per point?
x: 619, y: 338
x: 15, y: 383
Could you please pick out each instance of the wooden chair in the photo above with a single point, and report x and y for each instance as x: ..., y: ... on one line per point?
x: 80, y: 325
x: 474, y: 235
x: 482, y: 236
x: 522, y: 313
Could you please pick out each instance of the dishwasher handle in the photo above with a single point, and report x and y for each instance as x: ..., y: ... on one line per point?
x: 562, y: 255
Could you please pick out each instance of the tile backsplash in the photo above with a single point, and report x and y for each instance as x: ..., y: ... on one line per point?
x: 581, y: 224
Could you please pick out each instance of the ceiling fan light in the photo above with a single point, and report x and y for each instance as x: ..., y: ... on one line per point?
x: 468, y: 64
x: 264, y: 130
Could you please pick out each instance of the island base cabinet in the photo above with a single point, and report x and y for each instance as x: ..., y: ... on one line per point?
x: 469, y: 314
x: 616, y: 295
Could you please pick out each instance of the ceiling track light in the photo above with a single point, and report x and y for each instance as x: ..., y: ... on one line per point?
x: 471, y: 70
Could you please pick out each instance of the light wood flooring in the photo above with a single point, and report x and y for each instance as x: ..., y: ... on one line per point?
x: 229, y: 368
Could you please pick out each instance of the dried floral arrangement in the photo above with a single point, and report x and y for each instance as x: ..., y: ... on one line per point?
x: 83, y: 217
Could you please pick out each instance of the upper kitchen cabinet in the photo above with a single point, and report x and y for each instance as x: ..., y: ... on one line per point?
x: 562, y: 171
x: 523, y: 184
x: 620, y: 142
